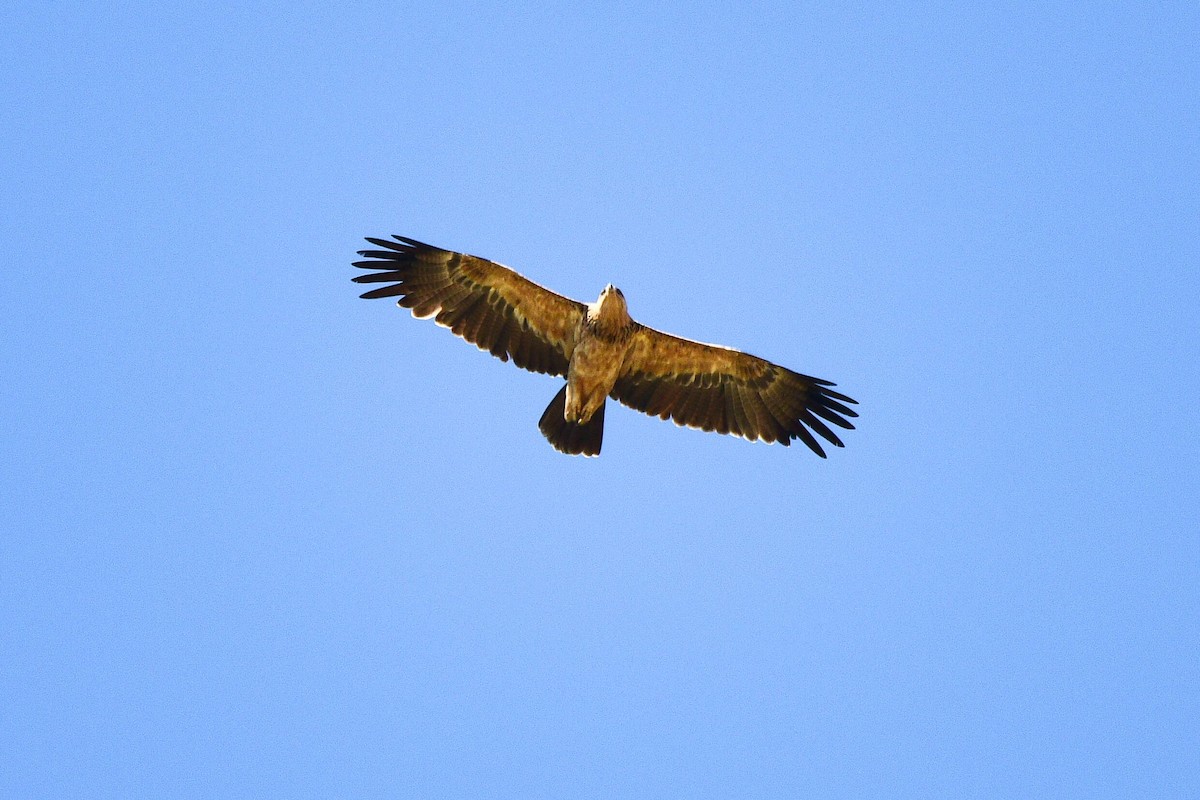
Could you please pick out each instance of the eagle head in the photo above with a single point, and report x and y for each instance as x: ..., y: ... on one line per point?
x: 609, y: 308
x: 611, y: 296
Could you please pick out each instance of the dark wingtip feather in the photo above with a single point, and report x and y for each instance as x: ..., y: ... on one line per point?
x: 386, y: 291
x: 380, y: 277
x: 798, y: 431
x: 390, y: 245
x: 413, y: 242
x: 839, y: 396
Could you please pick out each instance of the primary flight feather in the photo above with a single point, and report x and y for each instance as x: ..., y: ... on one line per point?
x: 603, y: 352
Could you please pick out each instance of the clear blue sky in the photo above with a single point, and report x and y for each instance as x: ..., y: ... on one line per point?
x: 264, y: 539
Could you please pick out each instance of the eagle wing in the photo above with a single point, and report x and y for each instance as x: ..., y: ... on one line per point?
x: 485, y: 303
x: 717, y: 388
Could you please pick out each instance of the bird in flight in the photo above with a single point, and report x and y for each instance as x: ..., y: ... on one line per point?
x: 603, y: 352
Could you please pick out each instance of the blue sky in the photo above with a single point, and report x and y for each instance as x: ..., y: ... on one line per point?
x: 265, y: 539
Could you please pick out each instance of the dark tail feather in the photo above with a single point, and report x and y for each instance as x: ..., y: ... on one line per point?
x: 571, y: 437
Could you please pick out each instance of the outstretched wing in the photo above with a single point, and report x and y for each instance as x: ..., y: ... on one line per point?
x: 485, y: 303
x: 720, y: 389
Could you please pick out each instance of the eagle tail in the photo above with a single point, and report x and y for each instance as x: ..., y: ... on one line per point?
x: 572, y: 438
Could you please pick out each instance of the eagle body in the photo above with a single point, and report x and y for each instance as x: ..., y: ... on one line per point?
x: 602, y: 352
x: 602, y: 342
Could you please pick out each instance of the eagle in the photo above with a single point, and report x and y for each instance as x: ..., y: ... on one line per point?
x: 602, y: 352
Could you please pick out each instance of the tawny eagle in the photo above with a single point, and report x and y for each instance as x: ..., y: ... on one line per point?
x: 603, y: 353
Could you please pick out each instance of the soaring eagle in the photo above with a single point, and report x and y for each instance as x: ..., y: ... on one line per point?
x: 603, y: 353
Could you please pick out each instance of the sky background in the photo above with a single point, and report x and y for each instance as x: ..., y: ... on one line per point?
x: 264, y: 539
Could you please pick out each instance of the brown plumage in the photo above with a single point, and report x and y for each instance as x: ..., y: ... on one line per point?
x: 603, y: 353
